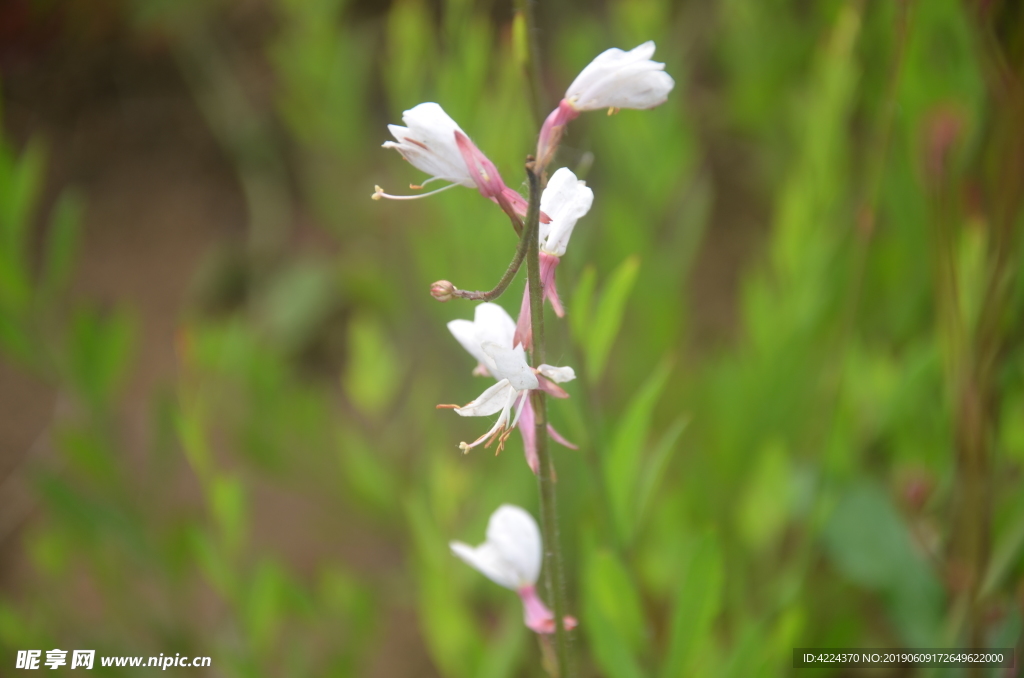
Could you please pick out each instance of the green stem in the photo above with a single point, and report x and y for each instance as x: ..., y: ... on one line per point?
x: 554, y: 576
x: 532, y: 64
x: 510, y: 274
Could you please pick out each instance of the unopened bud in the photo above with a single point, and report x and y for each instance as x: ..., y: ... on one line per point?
x: 442, y: 290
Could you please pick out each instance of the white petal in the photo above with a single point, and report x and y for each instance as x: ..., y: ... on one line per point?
x: 617, y: 79
x: 488, y: 561
x: 464, y: 332
x: 510, y: 364
x: 633, y: 87
x: 493, y: 323
x: 498, y: 397
x: 516, y: 538
x: 428, y: 142
x: 566, y: 199
x: 558, y: 375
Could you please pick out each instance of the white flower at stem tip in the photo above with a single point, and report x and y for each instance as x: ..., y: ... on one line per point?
x: 488, y: 338
x: 617, y: 79
x: 565, y: 200
x: 511, y: 557
x: 613, y: 80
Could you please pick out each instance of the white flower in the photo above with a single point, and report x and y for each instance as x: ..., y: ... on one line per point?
x: 434, y: 143
x: 565, y: 200
x: 511, y: 557
x: 428, y: 142
x: 488, y: 338
x: 617, y: 79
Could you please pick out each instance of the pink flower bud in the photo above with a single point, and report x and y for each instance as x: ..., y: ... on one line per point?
x: 442, y: 290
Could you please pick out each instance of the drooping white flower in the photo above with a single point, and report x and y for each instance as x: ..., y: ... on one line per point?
x: 428, y: 143
x: 613, y: 80
x: 511, y: 557
x: 565, y: 200
x: 617, y: 79
x: 488, y: 338
x: 434, y: 143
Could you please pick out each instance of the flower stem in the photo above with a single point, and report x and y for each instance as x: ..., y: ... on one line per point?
x: 532, y: 56
x: 510, y: 273
x: 554, y: 576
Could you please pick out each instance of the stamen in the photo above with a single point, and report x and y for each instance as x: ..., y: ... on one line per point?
x: 420, y: 186
x: 613, y: 110
x: 379, y: 193
x: 447, y: 407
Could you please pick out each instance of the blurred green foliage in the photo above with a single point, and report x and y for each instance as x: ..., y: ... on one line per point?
x: 809, y: 478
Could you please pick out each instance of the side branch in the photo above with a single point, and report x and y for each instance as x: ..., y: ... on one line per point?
x: 506, y: 280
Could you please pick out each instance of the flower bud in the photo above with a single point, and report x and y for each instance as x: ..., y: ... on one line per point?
x: 442, y: 290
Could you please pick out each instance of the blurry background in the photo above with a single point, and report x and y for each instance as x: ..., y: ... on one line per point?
x: 795, y: 311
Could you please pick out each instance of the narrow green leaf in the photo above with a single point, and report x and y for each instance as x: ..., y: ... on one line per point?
x: 613, y: 616
x: 520, y: 39
x: 654, y: 472
x: 371, y: 378
x: 696, y: 606
x: 61, y: 244
x: 504, y: 653
x: 263, y: 602
x: 763, y: 508
x: 626, y: 455
x: 98, y: 353
x: 228, y: 505
x: 1005, y: 556
x: 449, y: 629
x: 193, y: 441
x: 582, y: 305
x: 19, y: 193
x: 608, y: 316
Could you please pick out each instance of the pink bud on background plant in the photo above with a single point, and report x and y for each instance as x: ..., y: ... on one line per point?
x: 511, y: 557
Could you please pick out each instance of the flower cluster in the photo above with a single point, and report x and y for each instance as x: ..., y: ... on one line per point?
x: 435, y: 144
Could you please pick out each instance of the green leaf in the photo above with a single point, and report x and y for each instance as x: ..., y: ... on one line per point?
x: 228, y: 505
x: 447, y: 624
x: 608, y: 316
x: 613, y: 616
x: 98, y: 354
x: 189, y: 426
x: 626, y: 456
x: 20, y: 184
x: 372, y: 375
x: 61, y: 244
x: 367, y: 474
x: 582, y: 303
x: 264, y: 601
x: 764, y: 507
x: 520, y: 39
x: 504, y: 653
x: 297, y: 303
x: 869, y: 543
x: 211, y: 561
x: 697, y: 604
x: 654, y: 472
